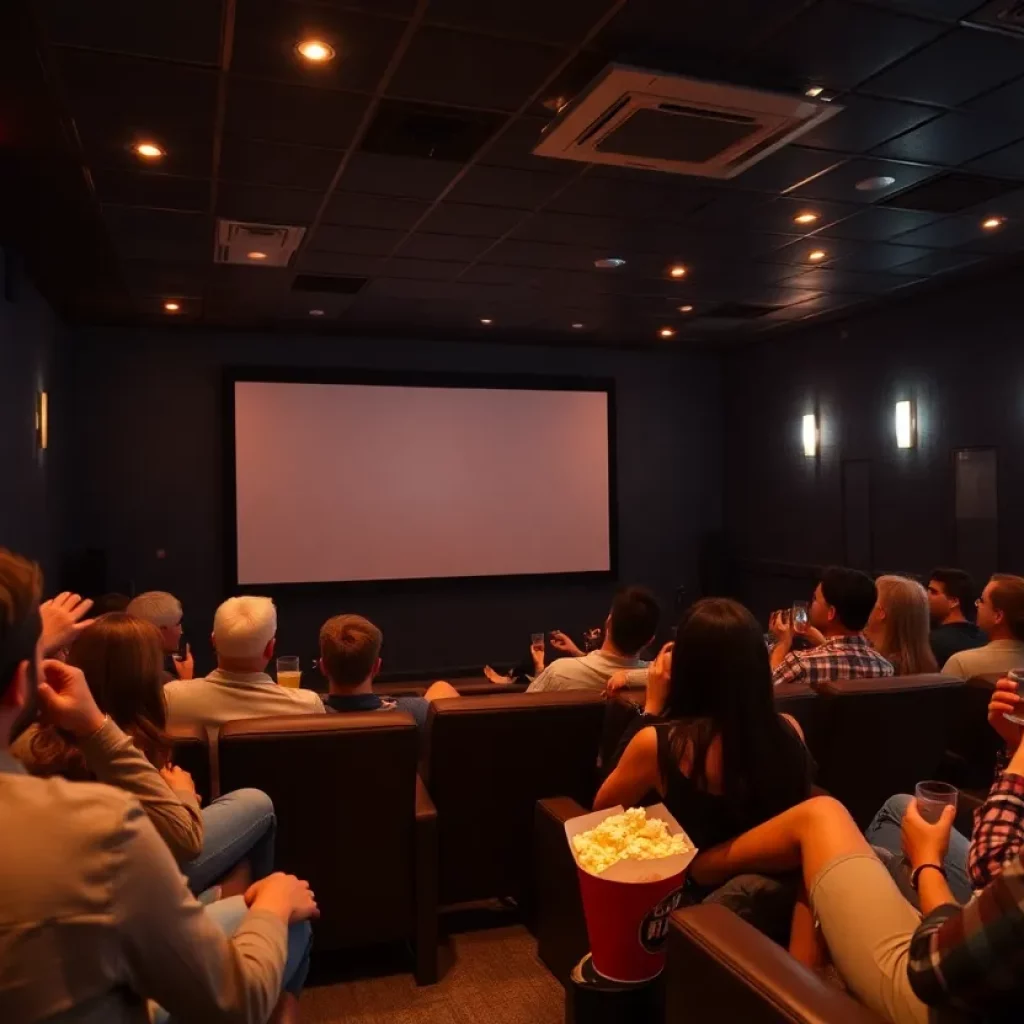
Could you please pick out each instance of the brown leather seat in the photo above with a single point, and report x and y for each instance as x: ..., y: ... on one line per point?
x: 191, y: 751
x: 487, y: 761
x: 353, y: 819
x: 722, y: 969
x: 876, y: 737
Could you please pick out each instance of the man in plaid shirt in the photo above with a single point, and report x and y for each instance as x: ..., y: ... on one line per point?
x: 842, y: 603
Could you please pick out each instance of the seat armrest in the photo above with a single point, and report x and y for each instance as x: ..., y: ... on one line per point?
x: 721, y: 968
x: 556, y: 917
x: 426, y: 940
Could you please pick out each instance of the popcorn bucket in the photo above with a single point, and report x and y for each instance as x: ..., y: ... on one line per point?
x: 627, y: 906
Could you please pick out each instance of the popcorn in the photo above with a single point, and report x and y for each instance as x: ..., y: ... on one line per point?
x: 627, y: 836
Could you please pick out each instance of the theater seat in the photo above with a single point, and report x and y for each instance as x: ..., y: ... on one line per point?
x: 722, y: 969
x: 875, y: 737
x: 487, y: 761
x: 191, y: 751
x: 353, y: 819
x: 973, y: 743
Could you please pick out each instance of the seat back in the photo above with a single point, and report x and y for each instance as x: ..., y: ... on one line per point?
x: 621, y: 711
x: 344, y: 790
x: 191, y: 751
x: 488, y: 760
x: 973, y: 744
x: 875, y: 737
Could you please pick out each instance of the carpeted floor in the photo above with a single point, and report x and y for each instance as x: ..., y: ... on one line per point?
x: 492, y: 974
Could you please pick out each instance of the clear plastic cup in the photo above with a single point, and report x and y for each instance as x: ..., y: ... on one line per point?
x: 1017, y: 675
x: 289, y: 673
x: 933, y: 797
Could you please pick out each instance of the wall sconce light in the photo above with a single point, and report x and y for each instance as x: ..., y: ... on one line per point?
x: 906, y: 425
x: 810, y: 435
x: 42, y: 420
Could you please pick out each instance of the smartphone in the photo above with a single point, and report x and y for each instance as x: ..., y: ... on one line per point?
x: 799, y: 616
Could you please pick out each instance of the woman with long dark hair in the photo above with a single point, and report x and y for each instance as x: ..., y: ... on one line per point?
x: 121, y: 658
x: 718, y: 754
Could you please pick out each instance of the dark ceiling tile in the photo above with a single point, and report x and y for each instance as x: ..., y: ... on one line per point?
x: 951, y: 139
x: 462, y: 219
x: 264, y: 205
x: 948, y: 232
x: 514, y: 146
x: 162, y: 191
x: 374, y: 173
x: 487, y: 273
x: 1007, y: 101
x: 426, y: 246
x: 651, y: 195
x: 161, y: 277
x: 288, y: 113
x: 504, y: 186
x: 729, y: 208
x: 423, y: 269
x: 267, y: 31
x: 426, y: 130
x: 159, y: 234
x: 951, y: 192
x: 563, y: 22
x: 182, y: 30
x: 841, y: 183
x: 785, y: 168
x: 358, y: 241
x: 881, y: 257
x: 865, y: 122
x: 837, y: 44
x: 951, y: 70
x: 938, y: 261
x: 344, y: 264
x: 944, y: 10
x: 373, y: 211
x: 569, y: 228
x: 1007, y: 162
x: 878, y: 223
x: 849, y: 281
x: 442, y: 66
x: 569, y: 82
x: 252, y: 162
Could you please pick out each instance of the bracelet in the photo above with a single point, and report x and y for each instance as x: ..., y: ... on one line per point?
x: 914, y: 878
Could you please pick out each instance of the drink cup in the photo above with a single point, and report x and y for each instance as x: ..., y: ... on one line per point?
x: 1017, y: 675
x: 933, y: 797
x: 288, y: 672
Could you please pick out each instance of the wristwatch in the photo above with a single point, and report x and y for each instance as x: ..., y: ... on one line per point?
x: 915, y: 877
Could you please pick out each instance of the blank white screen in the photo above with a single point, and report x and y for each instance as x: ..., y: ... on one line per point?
x: 365, y: 482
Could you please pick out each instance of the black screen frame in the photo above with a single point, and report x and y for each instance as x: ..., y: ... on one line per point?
x: 474, y: 381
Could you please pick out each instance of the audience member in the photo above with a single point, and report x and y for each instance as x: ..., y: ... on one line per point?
x: 629, y: 628
x: 163, y: 610
x: 838, y: 613
x: 350, y: 660
x: 95, y: 917
x: 951, y: 596
x: 1001, y: 617
x: 112, y: 602
x: 244, y: 632
x: 121, y: 658
x: 898, y: 626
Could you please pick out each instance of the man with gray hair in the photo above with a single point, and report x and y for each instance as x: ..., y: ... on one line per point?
x: 163, y: 610
x: 244, y: 632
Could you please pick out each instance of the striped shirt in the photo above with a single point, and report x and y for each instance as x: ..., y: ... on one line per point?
x: 845, y: 657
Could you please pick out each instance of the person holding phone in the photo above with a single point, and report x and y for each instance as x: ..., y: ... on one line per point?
x: 163, y: 610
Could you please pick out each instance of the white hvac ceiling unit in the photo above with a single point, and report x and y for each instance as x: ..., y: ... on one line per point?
x: 255, y: 245
x: 632, y: 117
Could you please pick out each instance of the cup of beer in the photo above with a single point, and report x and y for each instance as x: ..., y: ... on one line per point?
x: 288, y: 672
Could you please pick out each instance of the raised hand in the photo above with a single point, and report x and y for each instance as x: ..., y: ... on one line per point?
x: 1005, y: 700
x: 185, y: 667
x: 63, y: 619
x: 66, y: 700
x: 563, y: 642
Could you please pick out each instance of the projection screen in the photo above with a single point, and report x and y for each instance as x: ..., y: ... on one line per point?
x: 355, y: 481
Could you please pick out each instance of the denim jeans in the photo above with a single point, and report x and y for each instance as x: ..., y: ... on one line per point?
x: 884, y: 834
x: 228, y: 915
x: 237, y: 825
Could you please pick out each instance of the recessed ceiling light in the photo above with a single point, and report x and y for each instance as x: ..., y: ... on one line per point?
x: 666, y: 332
x: 686, y: 309
x: 873, y: 184
x: 316, y: 51
x: 316, y: 312
x: 486, y: 321
x: 807, y: 217
x: 149, y: 150
x: 609, y: 263
x: 577, y: 326
x: 172, y: 307
x: 816, y: 254
x: 991, y: 223
x: 814, y: 91
x: 256, y: 255
x: 678, y: 271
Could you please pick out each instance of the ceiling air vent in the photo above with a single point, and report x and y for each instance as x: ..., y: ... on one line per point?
x: 630, y: 117
x: 1000, y: 16
x: 255, y: 245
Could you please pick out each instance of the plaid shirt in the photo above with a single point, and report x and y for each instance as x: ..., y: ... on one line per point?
x: 998, y: 830
x: 972, y: 957
x: 845, y: 657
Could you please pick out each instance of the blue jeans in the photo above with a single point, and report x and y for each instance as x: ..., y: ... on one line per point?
x: 884, y: 834
x: 228, y: 915
x: 238, y: 825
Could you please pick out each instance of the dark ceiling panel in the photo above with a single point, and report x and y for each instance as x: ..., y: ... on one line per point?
x: 514, y: 146
x: 951, y: 139
x: 561, y: 22
x: 785, y: 168
x: 608, y: 196
x: 944, y: 10
x: 163, y: 191
x: 938, y: 261
x: 267, y: 205
x: 1007, y: 162
x: 442, y: 66
x: 397, y: 176
x: 314, y: 261
x: 252, y: 162
x: 185, y: 30
x: 373, y: 211
x: 426, y: 246
x: 952, y: 232
x: 837, y: 44
x: 160, y: 234
x: 878, y: 223
x: 424, y: 270
x: 463, y: 219
x: 504, y: 186
x: 981, y: 59
x: 865, y: 122
x: 952, y: 192
x: 1007, y: 102
x: 267, y: 31
x: 841, y: 183
x: 429, y: 131
x: 289, y: 113
x: 848, y: 281
x: 358, y: 241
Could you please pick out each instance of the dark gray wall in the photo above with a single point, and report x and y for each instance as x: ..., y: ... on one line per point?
x: 957, y: 352
x: 31, y: 350
x: 149, y: 459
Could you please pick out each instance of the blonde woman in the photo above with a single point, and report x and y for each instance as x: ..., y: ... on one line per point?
x: 899, y: 625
